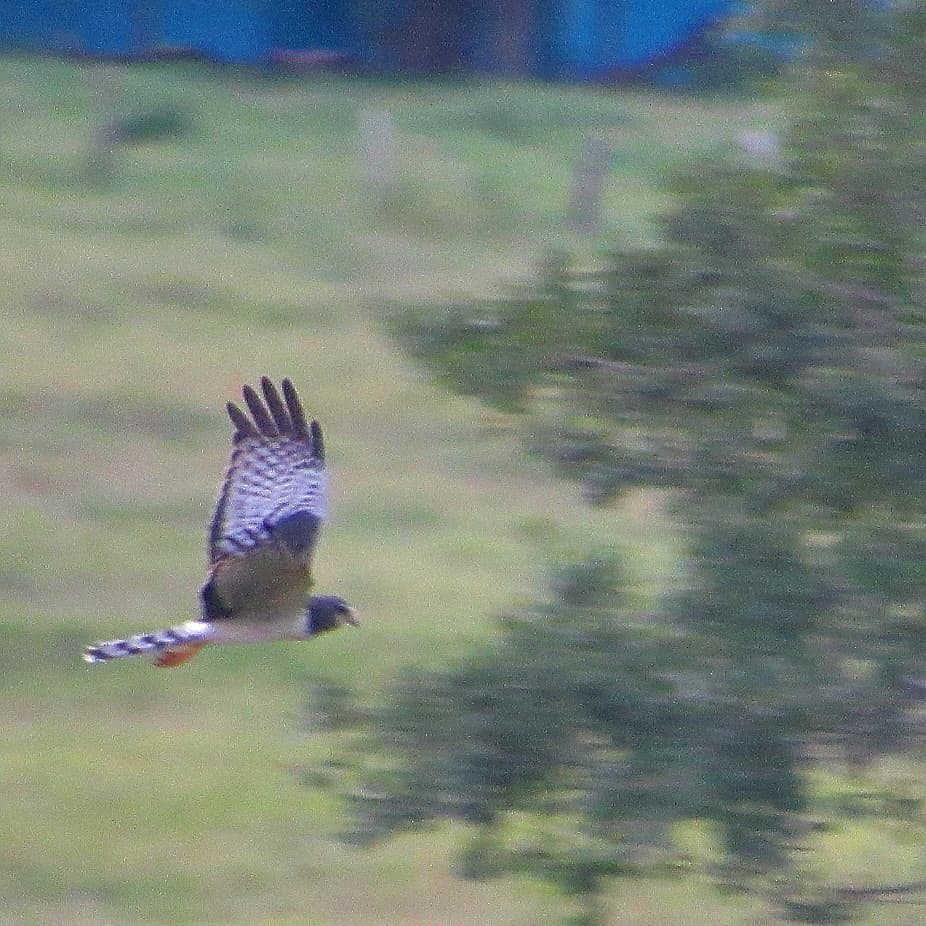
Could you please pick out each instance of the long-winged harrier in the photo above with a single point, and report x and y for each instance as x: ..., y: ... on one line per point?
x: 261, y: 540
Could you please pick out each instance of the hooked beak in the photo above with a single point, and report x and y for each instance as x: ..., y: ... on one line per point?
x: 350, y: 617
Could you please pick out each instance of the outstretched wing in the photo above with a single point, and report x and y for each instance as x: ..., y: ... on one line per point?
x: 274, y: 497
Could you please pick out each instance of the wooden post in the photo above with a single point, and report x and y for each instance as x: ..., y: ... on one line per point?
x: 376, y: 154
x: 101, y: 162
x: 588, y: 181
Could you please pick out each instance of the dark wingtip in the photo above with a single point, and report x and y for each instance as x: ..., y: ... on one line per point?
x: 296, y: 413
x: 243, y: 426
x: 318, y: 442
x: 261, y: 416
x: 280, y: 416
x: 275, y: 404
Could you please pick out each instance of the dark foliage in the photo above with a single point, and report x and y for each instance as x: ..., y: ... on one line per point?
x: 767, y: 364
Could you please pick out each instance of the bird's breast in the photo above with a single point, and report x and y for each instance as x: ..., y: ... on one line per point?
x: 259, y: 628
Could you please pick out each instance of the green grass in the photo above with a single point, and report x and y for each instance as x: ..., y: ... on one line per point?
x: 136, y: 300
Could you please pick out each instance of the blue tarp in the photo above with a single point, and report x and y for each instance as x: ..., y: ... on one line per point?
x: 101, y: 28
x: 226, y: 30
x: 571, y: 39
x: 595, y: 39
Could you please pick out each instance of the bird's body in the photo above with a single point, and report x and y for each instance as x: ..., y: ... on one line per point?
x: 261, y: 540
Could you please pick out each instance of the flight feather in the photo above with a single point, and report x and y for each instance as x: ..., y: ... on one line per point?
x: 260, y: 542
x: 275, y: 488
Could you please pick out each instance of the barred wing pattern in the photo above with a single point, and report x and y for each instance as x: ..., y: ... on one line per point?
x: 261, y: 540
x: 276, y: 484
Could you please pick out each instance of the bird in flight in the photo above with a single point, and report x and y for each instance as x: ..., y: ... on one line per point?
x: 261, y: 540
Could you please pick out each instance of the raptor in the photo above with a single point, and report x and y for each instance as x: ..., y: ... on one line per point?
x: 261, y: 540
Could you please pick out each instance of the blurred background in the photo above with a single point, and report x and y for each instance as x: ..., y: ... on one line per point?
x: 613, y: 316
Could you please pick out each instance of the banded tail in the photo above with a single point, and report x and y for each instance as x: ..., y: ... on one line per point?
x: 166, y: 645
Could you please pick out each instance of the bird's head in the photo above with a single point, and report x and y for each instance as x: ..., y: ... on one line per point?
x: 328, y: 612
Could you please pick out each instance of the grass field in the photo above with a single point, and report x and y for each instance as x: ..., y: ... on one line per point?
x: 138, y: 293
